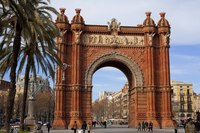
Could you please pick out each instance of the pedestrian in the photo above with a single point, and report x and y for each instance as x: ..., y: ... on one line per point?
x: 15, y: 130
x: 48, y: 127
x: 146, y: 125
x: 139, y: 126
x: 84, y: 126
x: 150, y: 126
x: 190, y: 127
x: 89, y: 127
x: 143, y: 126
x: 75, y: 126
x: 175, y: 127
x: 105, y: 124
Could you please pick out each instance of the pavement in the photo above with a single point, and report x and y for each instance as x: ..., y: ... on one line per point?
x: 115, y: 130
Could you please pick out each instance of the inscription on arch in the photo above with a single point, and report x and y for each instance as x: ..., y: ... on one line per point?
x: 109, y: 40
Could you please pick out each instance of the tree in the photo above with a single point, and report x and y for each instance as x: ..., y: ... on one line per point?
x: 11, y: 14
x: 30, y: 20
x: 43, y: 105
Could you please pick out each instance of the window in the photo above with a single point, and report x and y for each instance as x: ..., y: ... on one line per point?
x: 188, y: 91
x: 182, y: 99
x: 182, y: 107
x: 181, y: 91
x: 189, y: 99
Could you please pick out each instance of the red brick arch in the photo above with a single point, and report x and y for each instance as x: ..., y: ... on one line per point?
x: 140, y: 52
x: 106, y: 60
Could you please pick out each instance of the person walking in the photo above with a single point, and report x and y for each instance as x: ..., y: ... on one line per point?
x: 175, y: 127
x: 48, y: 127
x: 150, y: 126
x: 84, y: 126
x: 143, y: 126
x: 89, y: 127
x: 139, y: 126
x: 105, y: 124
x: 146, y: 125
x: 75, y: 126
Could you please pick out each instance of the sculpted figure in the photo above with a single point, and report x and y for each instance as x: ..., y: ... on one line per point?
x: 150, y: 38
x: 114, y: 26
x: 166, y: 39
x: 61, y: 38
x: 77, y: 36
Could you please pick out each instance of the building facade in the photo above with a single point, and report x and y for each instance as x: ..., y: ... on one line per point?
x: 105, y: 95
x: 182, y: 100
x: 120, y: 100
x: 197, y: 102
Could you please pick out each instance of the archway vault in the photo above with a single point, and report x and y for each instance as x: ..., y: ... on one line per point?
x: 120, y: 61
x: 140, y: 52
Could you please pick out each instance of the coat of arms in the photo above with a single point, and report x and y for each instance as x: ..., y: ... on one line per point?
x: 114, y: 26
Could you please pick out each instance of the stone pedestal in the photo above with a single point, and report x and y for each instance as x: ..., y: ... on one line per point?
x: 30, y: 121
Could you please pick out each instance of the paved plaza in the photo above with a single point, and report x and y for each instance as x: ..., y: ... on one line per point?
x: 116, y: 130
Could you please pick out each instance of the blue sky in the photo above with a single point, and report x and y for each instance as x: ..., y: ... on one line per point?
x: 183, y: 16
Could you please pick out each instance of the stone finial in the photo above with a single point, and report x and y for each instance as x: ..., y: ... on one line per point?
x: 78, y: 10
x: 62, y: 17
x: 162, y: 14
x: 148, y: 14
x: 163, y: 21
x: 163, y: 24
x: 78, y: 19
x: 148, y: 21
x: 62, y: 21
x: 62, y: 10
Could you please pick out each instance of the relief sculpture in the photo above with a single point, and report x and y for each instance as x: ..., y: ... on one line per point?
x: 108, y: 40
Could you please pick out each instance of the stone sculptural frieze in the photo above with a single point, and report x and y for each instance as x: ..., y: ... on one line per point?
x: 109, y: 40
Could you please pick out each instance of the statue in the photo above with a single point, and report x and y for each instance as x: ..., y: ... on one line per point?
x: 114, y: 26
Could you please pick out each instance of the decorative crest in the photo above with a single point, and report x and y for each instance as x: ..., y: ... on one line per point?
x: 114, y: 26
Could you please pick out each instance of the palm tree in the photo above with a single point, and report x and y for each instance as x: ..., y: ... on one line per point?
x: 30, y: 20
x: 33, y: 56
x: 12, y: 30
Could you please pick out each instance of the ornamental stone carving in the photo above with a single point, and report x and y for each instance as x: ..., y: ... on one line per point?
x: 114, y: 26
x: 165, y: 39
x: 150, y: 38
x: 77, y: 36
x: 61, y: 38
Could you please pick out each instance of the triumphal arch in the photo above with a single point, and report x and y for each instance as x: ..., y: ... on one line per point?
x: 141, y: 52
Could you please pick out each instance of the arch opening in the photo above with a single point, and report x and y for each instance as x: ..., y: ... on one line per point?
x: 123, y: 63
x: 110, y: 85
